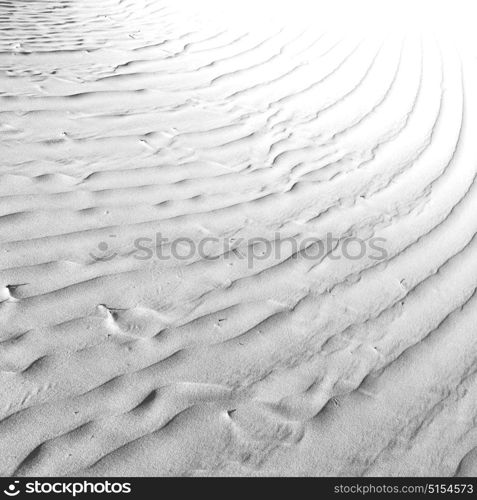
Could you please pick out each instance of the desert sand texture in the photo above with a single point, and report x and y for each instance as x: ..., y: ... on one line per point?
x: 252, y: 130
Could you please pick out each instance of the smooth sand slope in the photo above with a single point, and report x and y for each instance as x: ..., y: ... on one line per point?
x: 125, y: 119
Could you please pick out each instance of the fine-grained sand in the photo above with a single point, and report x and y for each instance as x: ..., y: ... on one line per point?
x: 125, y: 119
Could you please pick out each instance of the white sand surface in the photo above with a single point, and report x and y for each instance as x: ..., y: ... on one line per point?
x: 122, y: 120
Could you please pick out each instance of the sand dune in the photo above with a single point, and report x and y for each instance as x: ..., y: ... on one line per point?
x: 252, y: 137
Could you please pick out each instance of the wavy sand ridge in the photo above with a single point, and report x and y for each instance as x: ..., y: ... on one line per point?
x: 121, y: 119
